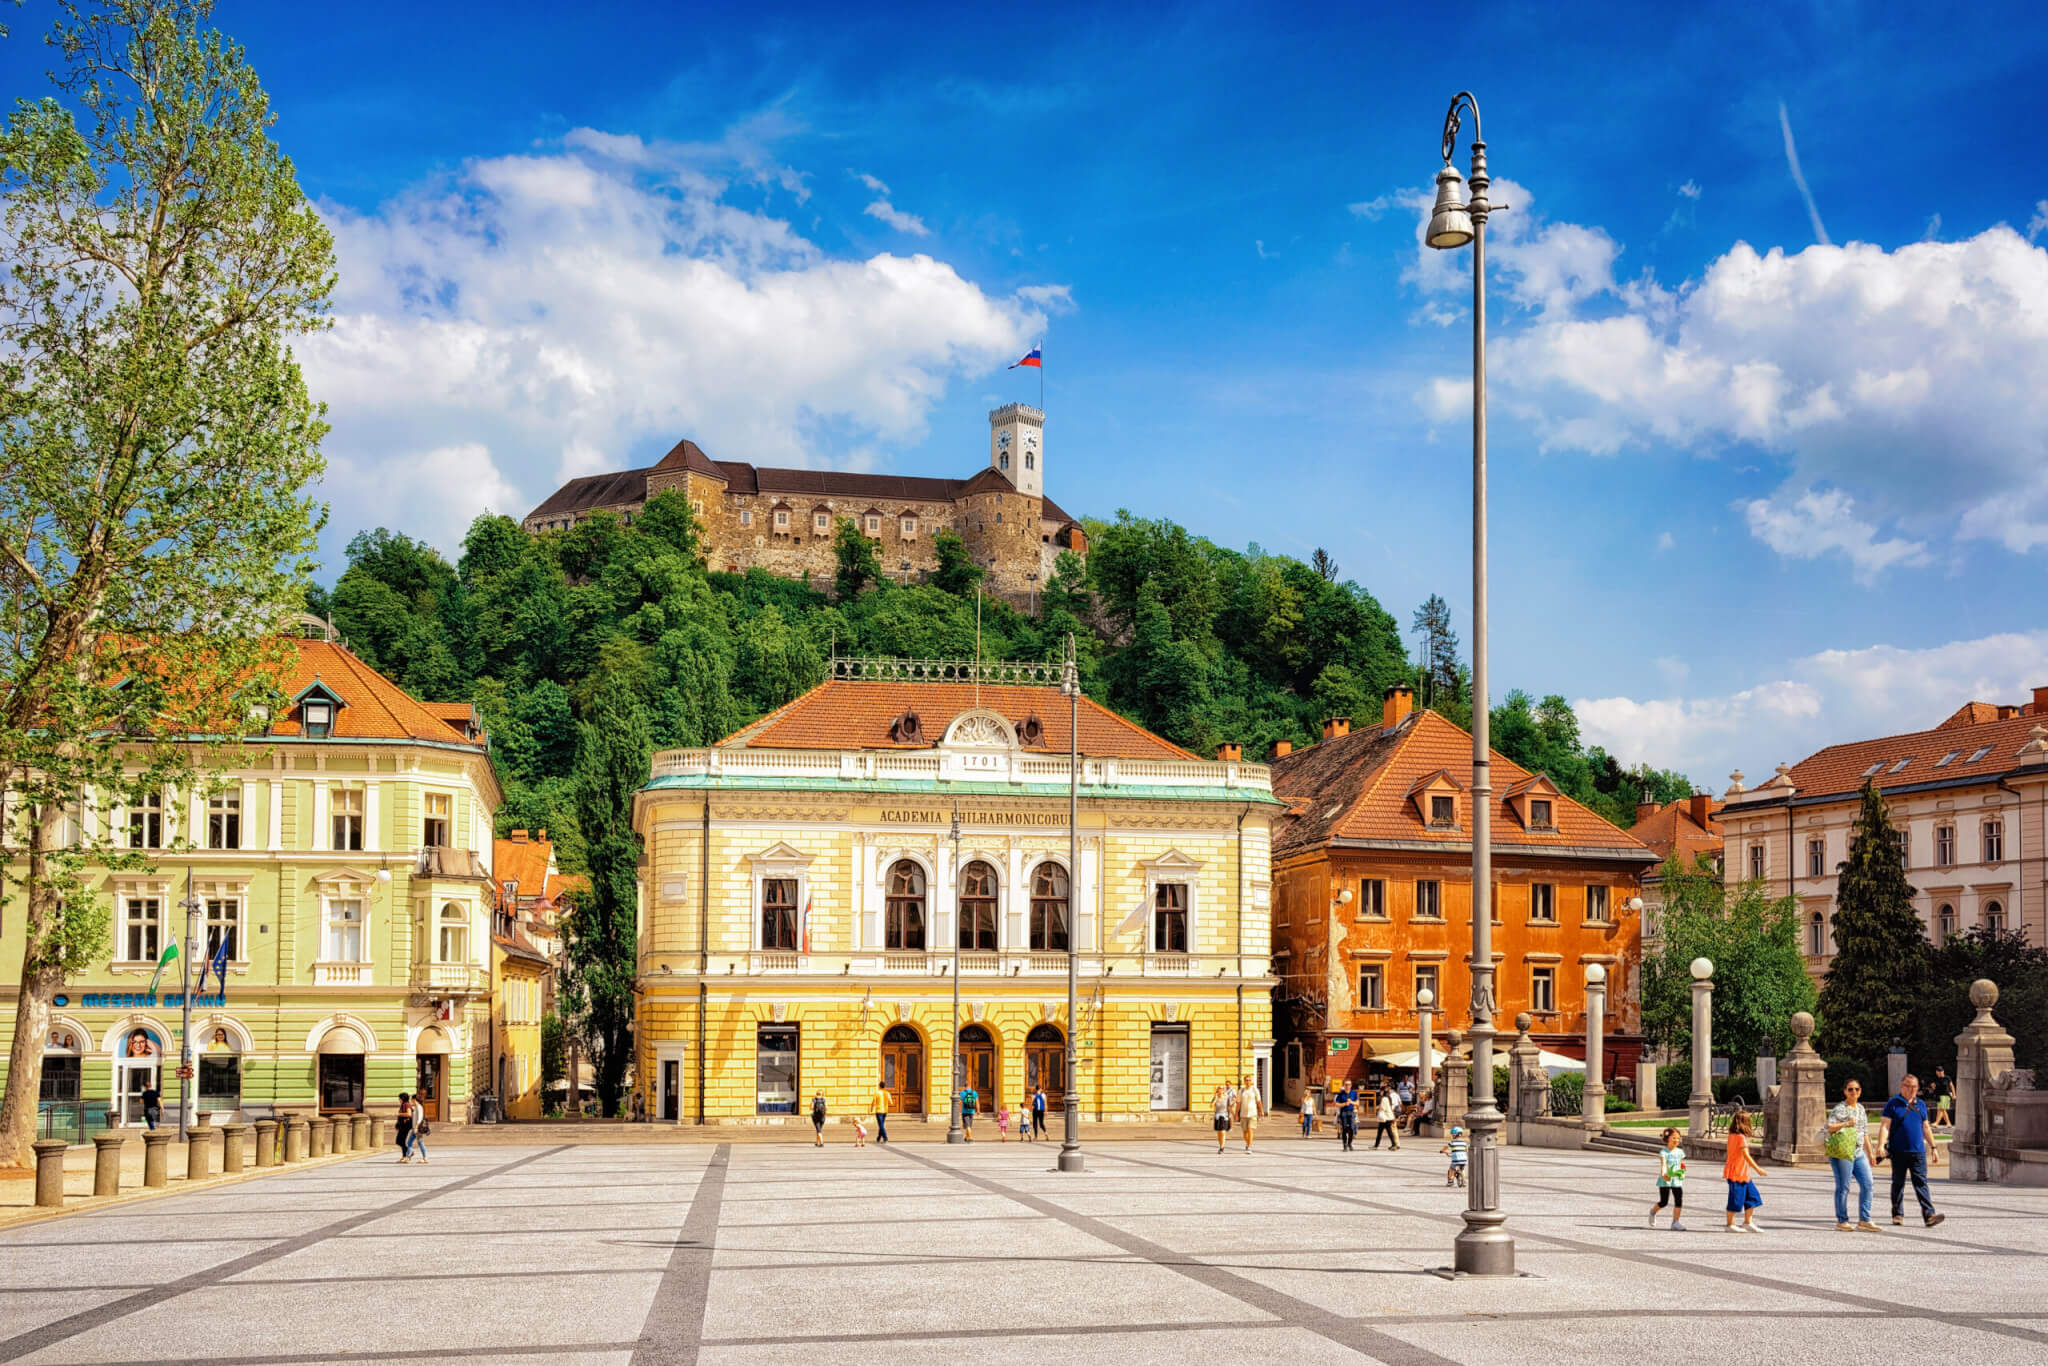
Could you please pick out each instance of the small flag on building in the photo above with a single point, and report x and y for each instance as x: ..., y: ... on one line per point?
x: 806, y: 932
x: 170, y: 955
x: 1034, y: 358
x: 219, y: 965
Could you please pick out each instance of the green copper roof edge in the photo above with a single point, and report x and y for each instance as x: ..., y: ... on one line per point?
x: 698, y: 782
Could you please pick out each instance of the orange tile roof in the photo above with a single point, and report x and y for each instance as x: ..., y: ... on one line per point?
x: 1359, y: 786
x: 1841, y: 768
x: 374, y: 708
x: 525, y: 862
x: 856, y: 714
x: 1971, y: 714
x: 1671, y: 828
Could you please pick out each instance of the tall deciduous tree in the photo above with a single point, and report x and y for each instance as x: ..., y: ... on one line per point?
x: 156, y: 439
x: 611, y: 765
x: 1752, y: 938
x: 858, y: 563
x: 1880, y: 968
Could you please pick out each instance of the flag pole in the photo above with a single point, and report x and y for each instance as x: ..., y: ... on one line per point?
x: 185, y: 1097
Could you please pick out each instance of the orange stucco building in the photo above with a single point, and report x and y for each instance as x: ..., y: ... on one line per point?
x: 1372, y: 900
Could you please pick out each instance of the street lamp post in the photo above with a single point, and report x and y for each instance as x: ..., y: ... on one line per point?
x: 954, y: 1133
x: 1425, y: 1062
x: 1593, y: 1099
x: 1485, y: 1247
x: 1070, y: 1139
x: 194, y: 947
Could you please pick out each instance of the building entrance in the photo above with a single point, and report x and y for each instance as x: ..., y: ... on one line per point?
x: 903, y: 1070
x: 431, y: 1091
x: 139, y: 1068
x: 1045, y: 1066
x: 1169, y: 1067
x: 978, y: 1064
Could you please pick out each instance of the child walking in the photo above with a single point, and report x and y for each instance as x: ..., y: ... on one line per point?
x: 860, y: 1132
x: 1456, y: 1148
x: 1741, y: 1172
x: 1671, y: 1181
x: 1002, y: 1121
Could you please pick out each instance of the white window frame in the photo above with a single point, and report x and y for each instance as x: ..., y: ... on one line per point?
x: 1599, y: 905
x: 1543, y: 899
x: 1434, y: 985
x: 785, y: 861
x: 874, y: 526
x: 129, y: 897
x: 236, y: 899
x: 1545, y: 975
x: 428, y: 817
x: 221, y: 807
x: 1945, y: 845
x: 1372, y: 898
x: 1376, y: 973
x: 1992, y: 917
x: 152, y: 804
x: 1759, y: 864
x: 907, y: 527
x: 336, y: 888
x: 1992, y: 831
x: 458, y: 923
x: 746, y: 516
x: 356, y: 802
x: 1437, y: 913
x: 1817, y: 856
x: 1173, y: 866
x: 821, y: 522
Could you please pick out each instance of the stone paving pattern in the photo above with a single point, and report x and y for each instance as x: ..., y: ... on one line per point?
x: 1163, y: 1251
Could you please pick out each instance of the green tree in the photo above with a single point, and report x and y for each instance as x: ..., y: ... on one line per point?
x: 1442, y: 679
x: 156, y: 441
x: 957, y: 572
x: 602, y: 929
x: 1752, y: 939
x: 858, y: 562
x: 2007, y: 958
x: 1880, y: 969
x: 554, y: 1061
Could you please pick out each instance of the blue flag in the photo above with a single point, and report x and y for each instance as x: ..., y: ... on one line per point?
x: 219, y: 966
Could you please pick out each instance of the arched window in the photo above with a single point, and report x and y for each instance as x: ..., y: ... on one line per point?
x: 978, y: 906
x: 1049, y: 908
x: 454, y: 934
x: 1817, y: 934
x: 1994, y: 916
x: 905, y: 927
x: 1944, y: 924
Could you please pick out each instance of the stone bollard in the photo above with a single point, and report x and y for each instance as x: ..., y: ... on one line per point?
x: 198, y: 1154
x: 322, y: 1133
x: 344, y: 1134
x: 297, y: 1134
x: 231, y: 1147
x: 156, y: 1157
x: 1528, y: 1083
x: 1702, y: 1098
x: 266, y: 1143
x: 106, y: 1163
x: 360, y: 1141
x: 376, y: 1132
x: 1983, y: 1055
x: 1802, y: 1108
x: 50, y: 1170
x: 1593, y: 1098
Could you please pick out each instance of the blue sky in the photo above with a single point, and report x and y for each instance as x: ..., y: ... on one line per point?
x: 1753, y: 491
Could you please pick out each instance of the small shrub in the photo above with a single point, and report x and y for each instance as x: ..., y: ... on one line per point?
x: 1674, y: 1086
x: 1739, y: 1087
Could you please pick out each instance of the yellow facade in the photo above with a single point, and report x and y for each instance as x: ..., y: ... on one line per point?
x: 518, y: 993
x: 1159, y: 1025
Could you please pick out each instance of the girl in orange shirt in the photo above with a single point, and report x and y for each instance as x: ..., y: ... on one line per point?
x: 1742, y: 1172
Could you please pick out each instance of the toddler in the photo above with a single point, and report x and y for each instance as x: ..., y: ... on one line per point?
x: 860, y: 1132
x: 1024, y: 1134
x: 1003, y: 1122
x: 1456, y: 1148
x: 1741, y: 1172
x: 1671, y: 1182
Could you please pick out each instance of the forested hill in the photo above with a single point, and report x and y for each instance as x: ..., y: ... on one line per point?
x: 1199, y: 643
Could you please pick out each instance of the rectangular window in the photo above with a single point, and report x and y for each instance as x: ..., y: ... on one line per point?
x: 1816, y: 857
x: 434, y: 829
x: 1372, y: 987
x: 1372, y: 898
x: 347, y: 808
x: 820, y: 523
x: 910, y: 526
x: 1543, y: 990
x: 1981, y: 751
x: 1539, y: 814
x: 224, y: 820
x: 146, y: 822
x: 345, y: 930
x: 1543, y: 902
x: 746, y: 516
x: 778, y: 913
x: 1428, y: 901
x: 1994, y: 841
x: 1905, y: 842
x: 1945, y: 760
x: 220, y: 1081
x: 223, y: 926
x: 1443, y: 810
x: 782, y: 521
x: 874, y: 526
x: 1425, y: 980
x: 319, y: 718
x: 1945, y: 846
x: 141, y: 929
x: 1756, y: 860
x: 775, y: 1069
x: 1597, y: 905
x: 1170, y: 918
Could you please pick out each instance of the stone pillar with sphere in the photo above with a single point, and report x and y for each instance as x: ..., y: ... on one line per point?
x: 1528, y: 1080
x: 1702, y: 1098
x: 1802, y: 1111
x: 1593, y: 1101
x: 1983, y: 1055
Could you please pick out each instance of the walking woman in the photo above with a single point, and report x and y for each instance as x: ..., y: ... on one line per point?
x: 1848, y: 1147
x: 1222, y: 1104
x: 1389, y: 1111
x: 406, y: 1115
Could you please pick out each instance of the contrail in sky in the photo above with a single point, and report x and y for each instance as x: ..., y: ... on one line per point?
x: 1820, y: 229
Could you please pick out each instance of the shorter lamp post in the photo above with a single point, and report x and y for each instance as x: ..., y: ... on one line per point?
x: 1593, y: 1099
x: 1425, y: 1060
x: 1702, y: 1047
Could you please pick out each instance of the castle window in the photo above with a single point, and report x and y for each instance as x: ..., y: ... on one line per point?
x: 746, y: 516
x: 910, y: 526
x: 1030, y: 460
x: 782, y: 521
x: 1003, y: 460
x: 820, y: 523
x: 874, y: 526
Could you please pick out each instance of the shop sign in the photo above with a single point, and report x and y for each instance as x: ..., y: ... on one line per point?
x: 1340, y: 1045
x: 912, y: 816
x: 148, y: 1000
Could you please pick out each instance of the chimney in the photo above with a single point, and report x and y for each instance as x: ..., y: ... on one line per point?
x: 1645, y: 810
x: 1336, y: 728
x: 2041, y: 701
x: 543, y: 833
x: 519, y: 837
x: 1229, y: 754
x: 1399, y: 702
x: 1282, y: 748
x: 2007, y: 711
x: 1701, y: 807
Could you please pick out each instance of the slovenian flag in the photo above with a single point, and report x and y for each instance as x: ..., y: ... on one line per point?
x: 806, y: 940
x: 1033, y: 358
x: 170, y: 956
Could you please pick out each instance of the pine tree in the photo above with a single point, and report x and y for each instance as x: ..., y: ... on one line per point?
x: 1880, y: 967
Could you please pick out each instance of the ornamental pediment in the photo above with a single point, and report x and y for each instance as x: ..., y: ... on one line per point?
x: 980, y: 728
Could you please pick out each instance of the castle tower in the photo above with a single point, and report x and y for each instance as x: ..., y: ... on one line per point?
x: 1016, y: 447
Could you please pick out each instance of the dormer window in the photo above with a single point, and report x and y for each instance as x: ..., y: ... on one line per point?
x: 1978, y: 755
x: 1872, y: 770
x: 1443, y: 810
x: 820, y: 523
x: 1539, y: 815
x: 319, y: 718
x: 782, y: 521
x: 909, y: 526
x: 874, y: 526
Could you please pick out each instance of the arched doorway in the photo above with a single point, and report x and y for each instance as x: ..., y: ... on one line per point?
x: 138, y: 1068
x: 430, y: 1072
x: 903, y: 1070
x: 978, y: 1063
x: 1045, y: 1064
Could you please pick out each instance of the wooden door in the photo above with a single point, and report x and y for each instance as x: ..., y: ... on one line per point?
x: 430, y: 1093
x: 1045, y: 1065
x: 978, y: 1068
x: 903, y: 1076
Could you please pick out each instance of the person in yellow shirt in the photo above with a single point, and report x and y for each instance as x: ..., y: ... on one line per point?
x: 881, y: 1114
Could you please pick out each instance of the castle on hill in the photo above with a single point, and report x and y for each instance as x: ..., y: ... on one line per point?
x: 783, y: 520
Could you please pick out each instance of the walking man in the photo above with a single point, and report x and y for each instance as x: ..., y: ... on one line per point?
x: 1906, y: 1136
x: 1347, y: 1114
x: 1389, y: 1111
x: 881, y: 1114
x: 1249, y: 1108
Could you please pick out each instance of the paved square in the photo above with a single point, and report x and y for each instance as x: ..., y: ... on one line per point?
x: 1163, y: 1251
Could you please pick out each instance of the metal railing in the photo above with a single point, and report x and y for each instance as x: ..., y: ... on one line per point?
x: 450, y: 977
x: 974, y: 963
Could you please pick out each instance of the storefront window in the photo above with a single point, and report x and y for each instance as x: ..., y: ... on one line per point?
x: 220, y: 1072
x: 775, y: 1070
x: 341, y: 1081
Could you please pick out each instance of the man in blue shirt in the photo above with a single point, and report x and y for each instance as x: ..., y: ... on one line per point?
x: 1906, y: 1137
x: 1347, y: 1113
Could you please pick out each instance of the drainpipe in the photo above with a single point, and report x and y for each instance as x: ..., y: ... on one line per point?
x: 703, y: 946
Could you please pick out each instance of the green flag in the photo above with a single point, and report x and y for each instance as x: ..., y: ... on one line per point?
x: 170, y: 952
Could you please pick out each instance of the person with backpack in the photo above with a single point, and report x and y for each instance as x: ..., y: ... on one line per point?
x: 970, y: 1100
x: 818, y: 1116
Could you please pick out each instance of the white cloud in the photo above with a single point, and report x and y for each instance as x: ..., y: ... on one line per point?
x: 1824, y: 699
x: 1799, y: 177
x: 897, y: 219
x: 1264, y: 255
x: 1817, y: 522
x: 532, y: 317
x: 1049, y: 298
x: 1371, y: 209
x: 1666, y: 541
x: 872, y: 182
x: 1673, y: 669
x: 2039, y: 222
x: 1690, y: 190
x: 1933, y: 228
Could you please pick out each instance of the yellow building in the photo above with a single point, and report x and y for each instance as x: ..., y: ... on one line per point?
x: 805, y: 895
x: 519, y: 988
